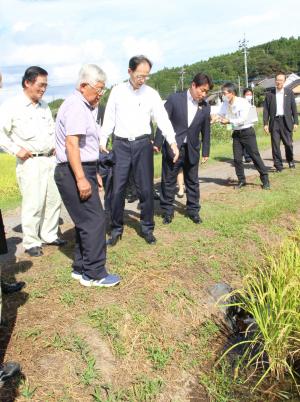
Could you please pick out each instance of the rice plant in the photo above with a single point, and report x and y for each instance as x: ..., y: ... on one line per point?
x: 271, y: 295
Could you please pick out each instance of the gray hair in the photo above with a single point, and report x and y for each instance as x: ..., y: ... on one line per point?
x: 90, y: 74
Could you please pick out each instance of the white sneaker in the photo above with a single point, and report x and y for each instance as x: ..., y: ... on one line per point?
x: 76, y: 275
x: 108, y: 281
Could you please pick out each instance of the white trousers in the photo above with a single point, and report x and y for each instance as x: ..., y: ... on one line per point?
x: 41, y: 200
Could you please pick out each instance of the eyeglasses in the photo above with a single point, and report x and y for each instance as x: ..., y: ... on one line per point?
x: 100, y: 91
x: 142, y: 77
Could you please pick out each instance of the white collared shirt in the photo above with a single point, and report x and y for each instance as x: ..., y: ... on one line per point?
x: 237, y: 113
x: 128, y: 113
x: 27, y: 125
x: 192, y: 107
x: 279, y: 102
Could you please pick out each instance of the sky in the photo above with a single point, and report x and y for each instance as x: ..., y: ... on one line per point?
x: 62, y: 35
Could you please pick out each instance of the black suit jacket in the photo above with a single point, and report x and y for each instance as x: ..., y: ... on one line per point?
x: 176, y: 106
x: 289, y: 107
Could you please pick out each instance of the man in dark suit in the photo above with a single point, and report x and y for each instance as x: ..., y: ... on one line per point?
x: 280, y: 119
x: 189, y: 115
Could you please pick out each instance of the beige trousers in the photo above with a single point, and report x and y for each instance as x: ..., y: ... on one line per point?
x: 41, y: 200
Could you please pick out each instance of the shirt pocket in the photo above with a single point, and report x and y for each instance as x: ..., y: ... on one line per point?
x: 24, y: 127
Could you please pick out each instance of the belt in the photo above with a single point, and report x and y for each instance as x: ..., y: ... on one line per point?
x: 92, y: 163
x: 141, y: 137
x: 50, y: 153
x: 281, y: 116
x: 242, y: 130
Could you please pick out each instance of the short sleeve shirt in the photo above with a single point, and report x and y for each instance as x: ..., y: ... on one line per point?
x: 77, y: 117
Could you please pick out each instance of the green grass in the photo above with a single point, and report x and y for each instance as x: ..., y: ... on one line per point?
x: 156, y: 326
x: 218, y: 384
x: 9, y: 192
x: 144, y: 389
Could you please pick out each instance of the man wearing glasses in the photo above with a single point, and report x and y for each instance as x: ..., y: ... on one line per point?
x: 190, y: 116
x: 128, y: 114
x: 77, y: 178
x: 27, y: 131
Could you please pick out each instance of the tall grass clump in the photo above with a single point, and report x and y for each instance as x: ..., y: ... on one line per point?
x: 271, y: 295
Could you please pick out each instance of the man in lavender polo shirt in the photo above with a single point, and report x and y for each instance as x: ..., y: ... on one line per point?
x: 77, y: 152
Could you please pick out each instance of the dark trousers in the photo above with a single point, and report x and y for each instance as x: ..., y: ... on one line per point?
x: 3, y: 244
x: 245, y: 154
x: 169, y: 175
x: 138, y: 156
x: 89, y: 220
x: 246, y: 138
x: 280, y: 132
x: 131, y: 187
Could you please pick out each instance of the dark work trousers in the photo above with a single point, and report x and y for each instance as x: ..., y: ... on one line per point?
x: 131, y: 187
x: 89, y: 220
x: 281, y: 132
x: 246, y: 138
x: 245, y: 154
x: 138, y: 156
x: 169, y: 175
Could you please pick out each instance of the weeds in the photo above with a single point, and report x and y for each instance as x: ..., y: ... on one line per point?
x: 107, y: 321
x: 26, y: 390
x: 159, y: 356
x: 143, y: 389
x: 218, y: 384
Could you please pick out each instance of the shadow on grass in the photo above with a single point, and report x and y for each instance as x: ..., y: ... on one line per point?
x: 10, y: 305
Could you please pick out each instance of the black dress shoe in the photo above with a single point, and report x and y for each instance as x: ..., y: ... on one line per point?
x: 11, y: 287
x: 8, y: 370
x: 149, y: 237
x: 266, y: 185
x: 167, y: 219
x: 195, y: 218
x: 278, y: 170
x: 248, y: 160
x: 241, y: 184
x: 292, y: 165
x: 57, y: 242
x: 35, y: 251
x: 113, y: 240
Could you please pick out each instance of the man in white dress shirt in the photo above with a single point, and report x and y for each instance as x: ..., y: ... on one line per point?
x: 236, y: 111
x: 128, y: 114
x: 27, y: 131
x: 280, y: 120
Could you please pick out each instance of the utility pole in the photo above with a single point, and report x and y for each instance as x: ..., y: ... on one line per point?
x: 243, y: 45
x: 252, y: 87
x: 182, y: 72
x: 239, y: 81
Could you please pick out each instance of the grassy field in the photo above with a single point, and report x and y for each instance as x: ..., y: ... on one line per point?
x: 153, y: 338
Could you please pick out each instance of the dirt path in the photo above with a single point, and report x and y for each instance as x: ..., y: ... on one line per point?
x: 213, y: 178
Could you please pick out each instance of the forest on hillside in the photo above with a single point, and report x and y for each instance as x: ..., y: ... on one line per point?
x: 263, y: 61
